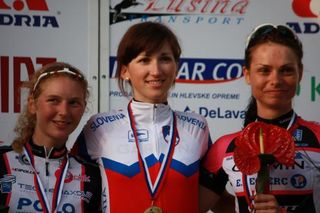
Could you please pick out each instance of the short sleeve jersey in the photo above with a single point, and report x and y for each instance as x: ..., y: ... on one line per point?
x: 296, y: 188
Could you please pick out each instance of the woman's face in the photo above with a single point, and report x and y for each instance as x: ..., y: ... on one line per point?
x: 273, y: 75
x: 151, y: 76
x: 58, y: 110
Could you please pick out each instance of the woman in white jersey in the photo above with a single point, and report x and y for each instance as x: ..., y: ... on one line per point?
x: 150, y: 153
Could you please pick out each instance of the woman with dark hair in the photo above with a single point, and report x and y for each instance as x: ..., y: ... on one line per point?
x: 37, y: 173
x: 273, y: 68
x: 150, y: 153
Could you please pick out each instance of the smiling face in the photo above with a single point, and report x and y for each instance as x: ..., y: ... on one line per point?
x: 273, y: 75
x: 58, y: 110
x: 151, y: 76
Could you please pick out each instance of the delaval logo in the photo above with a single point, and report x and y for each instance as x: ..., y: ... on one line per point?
x: 201, y: 71
x: 27, y: 20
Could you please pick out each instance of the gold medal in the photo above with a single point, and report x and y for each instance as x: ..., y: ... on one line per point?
x: 153, y: 209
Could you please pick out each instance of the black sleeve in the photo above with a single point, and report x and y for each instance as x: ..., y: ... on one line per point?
x: 215, y: 182
x: 5, y: 179
x: 93, y: 186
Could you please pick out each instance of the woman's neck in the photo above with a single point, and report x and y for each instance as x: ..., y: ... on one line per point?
x: 284, y: 120
x: 47, y: 142
x: 272, y: 113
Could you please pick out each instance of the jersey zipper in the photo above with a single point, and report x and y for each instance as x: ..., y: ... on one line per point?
x: 154, y: 118
x: 47, y: 155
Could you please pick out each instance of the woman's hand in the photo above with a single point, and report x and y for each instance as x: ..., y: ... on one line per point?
x: 266, y: 203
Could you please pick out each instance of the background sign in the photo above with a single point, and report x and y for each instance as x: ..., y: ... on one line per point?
x: 36, y: 32
x: 212, y: 35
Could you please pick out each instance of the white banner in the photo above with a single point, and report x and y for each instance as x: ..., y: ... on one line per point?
x: 212, y: 35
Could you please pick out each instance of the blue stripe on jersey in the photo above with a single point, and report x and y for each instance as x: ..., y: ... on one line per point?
x: 133, y: 169
x: 184, y: 169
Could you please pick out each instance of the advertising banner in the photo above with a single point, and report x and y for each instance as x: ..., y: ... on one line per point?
x: 213, y: 35
x: 37, y: 32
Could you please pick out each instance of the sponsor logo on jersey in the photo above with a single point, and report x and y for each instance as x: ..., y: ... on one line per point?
x: 71, y: 177
x: 143, y: 135
x: 6, y: 183
x: 196, y: 122
x: 298, y: 134
x: 25, y: 204
x: 102, y: 120
x: 298, y: 181
x: 22, y: 159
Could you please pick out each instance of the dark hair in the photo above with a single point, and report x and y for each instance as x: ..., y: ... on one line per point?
x: 26, y: 121
x: 145, y: 36
x: 263, y: 34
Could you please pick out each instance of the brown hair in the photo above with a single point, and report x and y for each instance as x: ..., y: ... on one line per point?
x: 268, y: 33
x: 145, y: 36
x: 26, y: 121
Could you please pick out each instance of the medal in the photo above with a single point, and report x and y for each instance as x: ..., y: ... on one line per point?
x: 153, y: 209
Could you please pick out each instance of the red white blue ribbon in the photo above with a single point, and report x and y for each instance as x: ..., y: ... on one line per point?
x: 154, y: 189
x: 57, y: 192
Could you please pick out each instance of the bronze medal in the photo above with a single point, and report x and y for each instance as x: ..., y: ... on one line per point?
x: 153, y: 209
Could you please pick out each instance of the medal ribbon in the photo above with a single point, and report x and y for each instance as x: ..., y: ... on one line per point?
x: 156, y: 188
x: 245, y: 179
x: 57, y: 192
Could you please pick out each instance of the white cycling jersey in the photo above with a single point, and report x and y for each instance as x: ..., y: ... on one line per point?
x: 109, y: 138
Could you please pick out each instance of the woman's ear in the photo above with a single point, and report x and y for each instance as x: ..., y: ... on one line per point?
x: 300, y: 73
x: 124, y: 73
x: 246, y: 74
x: 32, y: 108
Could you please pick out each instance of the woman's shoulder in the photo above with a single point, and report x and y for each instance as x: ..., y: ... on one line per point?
x: 5, y: 149
x: 228, y: 138
x: 108, y: 117
x: 310, y: 123
x: 110, y: 113
x: 189, y: 115
x: 106, y: 120
x: 312, y: 126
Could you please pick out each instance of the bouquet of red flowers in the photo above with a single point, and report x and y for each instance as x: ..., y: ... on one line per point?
x: 259, y: 146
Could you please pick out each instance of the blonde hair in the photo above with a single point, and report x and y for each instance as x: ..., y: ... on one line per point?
x: 26, y: 122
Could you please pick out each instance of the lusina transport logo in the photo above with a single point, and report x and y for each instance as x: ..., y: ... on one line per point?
x: 22, y: 13
x: 127, y: 10
x: 306, y: 8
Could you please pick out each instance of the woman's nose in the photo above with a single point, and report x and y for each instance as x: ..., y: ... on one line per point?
x: 275, y: 77
x: 63, y: 108
x: 155, y: 68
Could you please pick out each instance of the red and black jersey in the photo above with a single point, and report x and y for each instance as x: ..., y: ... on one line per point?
x: 296, y: 188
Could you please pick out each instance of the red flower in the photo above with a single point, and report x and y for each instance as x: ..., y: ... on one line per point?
x: 277, y: 141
